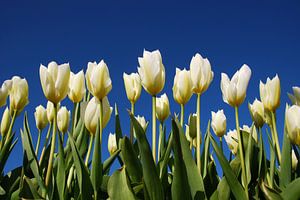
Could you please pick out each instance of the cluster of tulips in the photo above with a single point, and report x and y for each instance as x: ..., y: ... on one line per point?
x: 176, y: 168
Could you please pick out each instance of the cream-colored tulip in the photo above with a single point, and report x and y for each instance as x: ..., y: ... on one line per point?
x: 193, y: 125
x: 270, y: 93
x: 296, y: 97
x: 152, y: 72
x: 232, y: 141
x: 50, y: 111
x: 182, y: 87
x: 133, y: 86
x: 257, y: 113
x: 76, y: 87
x: 3, y: 95
x: 292, y: 120
x: 98, y: 80
x: 294, y: 160
x: 112, y: 143
x: 218, y: 122
x: 40, y: 116
x: 55, y: 81
x: 248, y: 130
x: 18, y: 93
x: 201, y: 73
x: 63, y: 118
x: 162, y: 107
x: 234, y: 90
x: 142, y: 121
x: 92, y: 114
x: 5, y: 122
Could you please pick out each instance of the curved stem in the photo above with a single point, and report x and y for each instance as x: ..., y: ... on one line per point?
x: 181, y: 115
x: 53, y: 141
x: 275, y: 138
x: 38, y: 143
x: 89, y: 151
x: 154, y: 128
x: 241, y: 151
x: 198, y: 138
x: 131, y: 126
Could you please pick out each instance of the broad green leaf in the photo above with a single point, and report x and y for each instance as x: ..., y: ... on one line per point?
x: 109, y: 161
x: 205, y: 153
x: 292, y: 190
x: 61, y: 174
x: 249, y: 162
x: 29, y: 190
x: 118, y: 129
x: 96, y: 172
x: 286, y: 161
x: 165, y: 158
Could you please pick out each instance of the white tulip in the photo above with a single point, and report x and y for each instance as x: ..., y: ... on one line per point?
x: 63, y: 118
x: 133, y: 86
x: 218, y: 122
x: 162, y: 107
x: 257, y: 113
x: 292, y: 120
x: 50, y: 111
x: 76, y: 87
x: 3, y: 95
x: 18, y: 93
x: 5, y: 122
x: 112, y: 143
x: 182, y: 87
x: 40, y: 116
x: 270, y: 93
x: 142, y: 121
x: 296, y: 97
x: 232, y: 141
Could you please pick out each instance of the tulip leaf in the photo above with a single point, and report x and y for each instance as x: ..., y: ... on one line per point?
x: 109, y: 161
x: 269, y: 193
x: 96, y: 172
x: 231, y: 178
x: 205, y: 153
x: 60, y: 174
x: 6, y: 150
x: 151, y: 178
x: 292, y: 190
x: 165, y: 158
x: 285, y: 167
x: 118, y: 129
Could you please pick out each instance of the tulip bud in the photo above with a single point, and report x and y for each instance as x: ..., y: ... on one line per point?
x: 40, y: 116
x: 188, y: 136
x: 152, y: 72
x: 5, y: 122
x: 270, y: 93
x: 50, y: 111
x: 142, y: 122
x: 63, y: 118
x: 292, y: 120
x: 92, y: 114
x: 18, y: 93
x: 296, y: 97
x: 182, y: 88
x: 76, y: 87
x: 218, y: 123
x: 55, y: 81
x: 3, y: 95
x: 112, y: 143
x: 232, y: 141
x: 98, y: 80
x: 234, y: 90
x: 257, y: 113
x: 193, y: 125
x: 133, y: 86
x: 162, y: 107
x: 248, y: 130
x: 294, y: 160
x: 201, y: 74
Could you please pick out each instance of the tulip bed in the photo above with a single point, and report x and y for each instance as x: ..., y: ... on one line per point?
x: 178, y: 164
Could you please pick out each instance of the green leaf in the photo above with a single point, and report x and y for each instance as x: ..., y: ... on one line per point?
x: 5, y: 151
x: 205, y: 153
x: 109, y: 161
x: 29, y: 190
x: 165, y: 158
x: 118, y: 129
x: 119, y: 187
x: 151, y: 178
x: 248, y: 154
x: 96, y: 172
x: 292, y: 190
x: 231, y: 178
x: 286, y: 161
x: 61, y: 174
x: 269, y: 193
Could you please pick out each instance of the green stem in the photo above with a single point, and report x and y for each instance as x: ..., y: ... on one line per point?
x: 161, y: 140
x: 181, y: 115
x: 198, y: 138
x: 131, y: 125
x: 38, y: 143
x: 241, y: 151
x: 45, y: 144
x: 101, y: 121
x: 89, y: 151
x: 53, y: 141
x: 154, y: 128
x: 275, y: 138
x: 10, y: 127
x: 221, y: 144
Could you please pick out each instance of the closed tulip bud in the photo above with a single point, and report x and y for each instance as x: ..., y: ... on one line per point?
x: 234, y: 90
x: 92, y: 114
x: 162, y: 108
x: 292, y: 120
x: 188, y: 136
x: 182, y: 88
x: 201, y: 74
x: 98, y: 80
x: 55, y: 81
x: 3, y: 95
x: 112, y: 143
x: 294, y: 160
x: 218, y: 122
x: 257, y: 113
x: 248, y: 130
x: 50, y: 111
x: 5, y: 122
x: 76, y: 87
x: 270, y: 93
x: 152, y: 72
x: 296, y: 97
x: 63, y: 118
x: 133, y: 86
x: 18, y: 93
x: 232, y: 141
x: 142, y: 122
x: 193, y: 125
x: 40, y: 116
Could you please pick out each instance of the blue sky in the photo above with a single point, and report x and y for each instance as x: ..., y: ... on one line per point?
x: 262, y: 34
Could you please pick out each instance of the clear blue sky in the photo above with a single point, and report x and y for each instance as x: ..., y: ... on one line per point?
x: 262, y: 34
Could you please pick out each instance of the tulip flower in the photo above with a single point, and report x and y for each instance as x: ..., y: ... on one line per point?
x: 55, y: 81
x: 40, y: 116
x: 257, y: 113
x: 98, y: 80
x: 92, y: 114
x: 296, y: 97
x: 191, y: 140
x: 63, y: 118
x: 142, y: 122
x: 231, y: 139
x: 50, y: 111
x: 3, y: 95
x: 270, y: 93
x: 294, y: 160
x: 193, y: 125
x: 152, y: 72
x: 76, y: 87
x: 162, y: 108
x: 292, y: 118
x: 112, y: 143
x: 182, y: 88
x: 133, y: 86
x: 5, y: 122
x: 234, y: 90
x: 201, y: 74
x: 218, y: 123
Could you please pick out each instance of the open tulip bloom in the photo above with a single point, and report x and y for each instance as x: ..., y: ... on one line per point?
x: 69, y: 161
